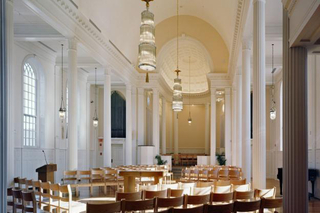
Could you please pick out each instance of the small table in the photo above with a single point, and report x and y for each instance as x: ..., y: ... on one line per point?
x: 130, y: 177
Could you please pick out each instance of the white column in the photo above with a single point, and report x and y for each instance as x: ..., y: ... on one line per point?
x: 107, y: 119
x: 170, y: 131
x: 134, y: 125
x: 259, y: 96
x: 73, y: 104
x: 227, y: 115
x: 155, y: 121
x: 11, y: 86
x: 207, y: 130
x: 175, y: 133
x: 234, y: 127
x: 88, y: 127
x: 128, y: 126
x: 141, y: 118
x: 246, y: 142
x: 164, y: 126
x: 239, y: 118
x: 213, y: 127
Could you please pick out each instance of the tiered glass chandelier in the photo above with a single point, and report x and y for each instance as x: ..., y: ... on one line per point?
x: 62, y: 110
x: 95, y: 120
x: 147, y: 46
x: 177, y: 99
x: 273, y: 112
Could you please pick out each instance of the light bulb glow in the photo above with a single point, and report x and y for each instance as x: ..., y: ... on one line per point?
x: 62, y: 113
x: 95, y: 122
x: 273, y: 114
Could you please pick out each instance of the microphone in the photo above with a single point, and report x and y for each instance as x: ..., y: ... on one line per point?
x: 45, y: 156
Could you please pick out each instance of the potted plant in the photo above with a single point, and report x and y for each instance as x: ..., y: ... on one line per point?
x: 221, y: 159
x: 160, y: 161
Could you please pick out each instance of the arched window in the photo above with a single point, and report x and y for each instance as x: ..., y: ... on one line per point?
x: 118, y: 116
x: 29, y: 105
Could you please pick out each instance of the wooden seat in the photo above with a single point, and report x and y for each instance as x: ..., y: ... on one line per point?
x: 238, y: 182
x: 104, y: 208
x: 221, y: 197
x: 196, y: 200
x: 29, y: 201
x: 202, y: 190
x: 221, y: 208
x: 242, y: 188
x: 198, y: 209
x: 153, y: 194
x: 243, y: 195
x: 169, y: 202
x: 17, y: 199
x: 175, y: 192
x: 138, y: 205
x: 246, y: 206
x: 222, y: 189
x: 128, y: 196
x: 265, y: 193
x: 270, y: 203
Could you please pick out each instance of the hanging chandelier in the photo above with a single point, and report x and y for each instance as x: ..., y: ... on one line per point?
x: 177, y: 99
x: 189, y: 118
x: 62, y: 110
x: 95, y: 121
x: 273, y: 112
x: 147, y: 46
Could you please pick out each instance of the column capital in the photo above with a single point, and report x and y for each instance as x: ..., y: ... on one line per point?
x: 72, y: 43
x: 246, y: 44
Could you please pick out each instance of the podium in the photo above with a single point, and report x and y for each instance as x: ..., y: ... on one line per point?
x: 46, y: 172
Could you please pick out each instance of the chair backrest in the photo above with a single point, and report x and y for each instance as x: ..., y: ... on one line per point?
x: 22, y: 183
x: 204, y: 184
x: 242, y: 188
x: 16, y: 182
x: 70, y: 176
x: 268, y: 203
x: 246, y: 206
x: 170, y: 186
x: 202, y: 190
x: 169, y: 202
x: 223, y: 183
x: 138, y: 205
x: 187, y: 187
x: 223, y: 173
x: 238, y: 182
x: 55, y: 191
x: 45, y: 189
x: 234, y: 174
x: 128, y: 196
x: 27, y: 198
x: 29, y: 184
x: 196, y: 199
x: 175, y: 192
x: 265, y: 193
x: 198, y: 209
x: 36, y: 187
x: 222, y: 197
x: 243, y: 195
x: 213, y: 174
x: 97, y: 175
x: 222, y: 189
x: 16, y: 193
x: 83, y: 175
x: 111, y: 174
x: 221, y: 208
x: 153, y: 194
x: 104, y: 208
x: 65, y: 196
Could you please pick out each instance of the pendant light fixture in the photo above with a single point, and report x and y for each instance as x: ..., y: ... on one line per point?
x: 95, y: 117
x: 62, y: 110
x: 177, y: 100
x: 189, y: 118
x: 147, y: 46
x: 273, y: 112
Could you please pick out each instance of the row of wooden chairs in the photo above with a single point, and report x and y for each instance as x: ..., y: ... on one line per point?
x: 185, y: 159
x: 168, y: 205
x: 215, y: 173
x: 23, y: 200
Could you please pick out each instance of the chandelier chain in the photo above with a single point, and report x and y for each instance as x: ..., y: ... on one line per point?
x: 177, y: 34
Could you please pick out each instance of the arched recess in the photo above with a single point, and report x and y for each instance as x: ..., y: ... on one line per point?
x: 118, y: 115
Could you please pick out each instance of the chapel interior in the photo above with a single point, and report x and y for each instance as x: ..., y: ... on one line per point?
x: 160, y: 106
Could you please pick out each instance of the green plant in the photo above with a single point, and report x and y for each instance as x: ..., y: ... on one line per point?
x: 160, y: 161
x: 221, y: 159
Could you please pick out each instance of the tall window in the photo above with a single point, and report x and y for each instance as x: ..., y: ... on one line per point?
x: 118, y: 116
x: 29, y: 105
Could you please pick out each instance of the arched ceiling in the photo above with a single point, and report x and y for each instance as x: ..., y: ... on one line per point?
x: 119, y: 20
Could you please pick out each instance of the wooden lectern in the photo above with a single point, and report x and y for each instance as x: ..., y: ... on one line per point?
x: 46, y: 172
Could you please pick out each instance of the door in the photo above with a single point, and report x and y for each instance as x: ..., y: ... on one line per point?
x: 117, y: 155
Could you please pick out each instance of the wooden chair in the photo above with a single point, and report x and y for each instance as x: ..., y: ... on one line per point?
x: 65, y: 198
x: 54, y: 197
x: 9, y: 197
x: 29, y: 201
x: 242, y: 188
x: 22, y: 183
x: 175, y: 192
x: 270, y: 203
x: 213, y: 174
x: 246, y: 206
x: 104, y: 208
x: 138, y: 205
x: 203, y: 175
x: 221, y: 197
x: 97, y: 179
x: 169, y: 202
x: 265, y: 193
x: 17, y: 199
x: 234, y: 174
x: 223, y: 173
x: 223, y: 189
x: 187, y: 187
x: 238, y: 182
x: 194, y: 175
x: 243, y: 195
x: 128, y: 196
x: 221, y: 208
x: 153, y: 194
x: 223, y: 183
x: 45, y: 194
x: 111, y: 177
x: 83, y: 180
x: 29, y: 184
x: 202, y: 190
x: 196, y: 200
x: 70, y: 177
x: 16, y: 182
x: 36, y: 187
x: 198, y: 209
